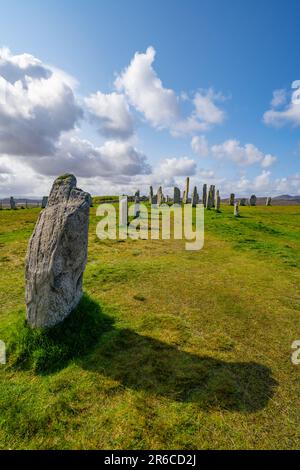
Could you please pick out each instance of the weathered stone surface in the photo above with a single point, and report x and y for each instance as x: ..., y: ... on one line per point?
x: 252, y: 200
x: 151, y: 195
x: 154, y: 200
x: 195, y: 197
x: 186, y: 191
x: 44, y: 202
x: 159, y: 196
x: 204, y: 195
x: 217, y: 201
x: 243, y: 201
x: 136, y: 209
x: 213, y: 194
x: 236, y: 209
x: 209, y: 199
x: 268, y: 201
x: 12, y: 203
x: 231, y: 199
x: 57, y: 255
x: 176, y: 198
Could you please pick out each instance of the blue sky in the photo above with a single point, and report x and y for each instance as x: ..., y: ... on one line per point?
x: 196, y: 100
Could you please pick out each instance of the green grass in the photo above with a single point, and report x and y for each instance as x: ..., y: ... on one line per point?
x: 167, y: 349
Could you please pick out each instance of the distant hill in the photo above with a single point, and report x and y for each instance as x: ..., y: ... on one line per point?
x: 287, y: 197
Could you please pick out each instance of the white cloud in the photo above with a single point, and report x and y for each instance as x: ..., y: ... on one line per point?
x: 39, y: 105
x: 84, y: 159
x: 200, y: 146
x: 232, y: 149
x: 206, y: 109
x: 289, y: 114
x: 146, y: 92
x: 182, y: 166
x: 111, y: 112
x: 160, y: 105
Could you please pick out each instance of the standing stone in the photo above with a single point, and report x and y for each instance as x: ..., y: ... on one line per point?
x: 217, y: 201
x: 12, y: 203
x: 204, y: 194
x: 176, y: 198
x: 123, y: 211
x: 44, y: 202
x: 209, y: 200
x: 243, y: 201
x: 154, y: 200
x: 186, y: 191
x: 268, y: 201
x: 253, y: 200
x: 159, y: 196
x: 213, y: 194
x: 195, y: 197
x: 151, y: 195
x: 231, y: 199
x: 57, y: 255
x: 236, y: 209
x: 136, y: 209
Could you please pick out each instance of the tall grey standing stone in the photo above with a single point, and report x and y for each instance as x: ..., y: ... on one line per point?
x: 204, y: 194
x: 243, y: 201
x: 217, y: 201
x: 136, y: 209
x: 176, y: 198
x: 231, y: 199
x: 44, y: 202
x: 236, y: 209
x: 209, y: 200
x: 151, y: 195
x: 123, y: 211
x: 12, y: 203
x: 253, y: 200
x: 57, y: 255
x: 213, y: 194
x: 186, y: 191
x: 154, y: 200
x: 268, y: 201
x: 195, y: 197
x: 159, y: 196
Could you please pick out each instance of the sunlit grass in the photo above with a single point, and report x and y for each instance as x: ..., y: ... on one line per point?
x: 193, y: 348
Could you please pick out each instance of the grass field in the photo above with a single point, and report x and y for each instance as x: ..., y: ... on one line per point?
x: 195, y: 351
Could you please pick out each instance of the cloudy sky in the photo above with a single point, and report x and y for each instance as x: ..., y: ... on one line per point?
x: 128, y: 93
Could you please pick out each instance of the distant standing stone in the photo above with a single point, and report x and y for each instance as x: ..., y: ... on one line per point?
x: 186, y: 191
x: 213, y: 194
x: 253, y: 200
x: 195, y: 197
x: 159, y: 196
x: 12, y: 203
x: 44, y: 202
x: 243, y: 201
x: 176, y: 198
x: 236, y: 209
x: 217, y: 201
x: 57, y: 255
x: 151, y: 195
x: 204, y: 194
x: 231, y: 199
x: 268, y: 201
x: 209, y: 200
